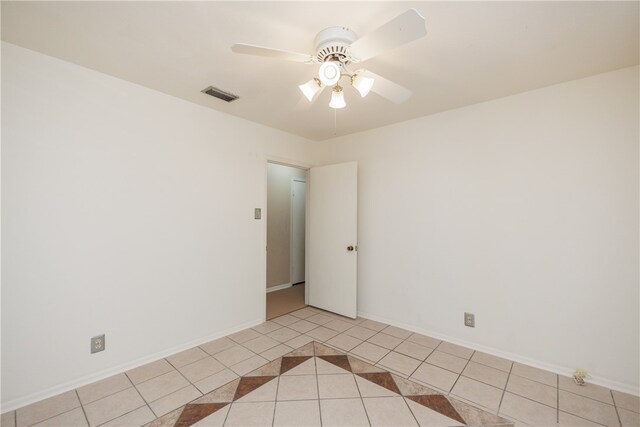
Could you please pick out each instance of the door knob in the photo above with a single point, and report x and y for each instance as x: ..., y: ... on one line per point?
x: 350, y: 248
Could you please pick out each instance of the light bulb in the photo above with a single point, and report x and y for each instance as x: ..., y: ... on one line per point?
x: 329, y: 73
x: 337, y: 98
x: 310, y: 88
x: 362, y: 84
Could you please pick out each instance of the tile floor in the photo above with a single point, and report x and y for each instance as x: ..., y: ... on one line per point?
x: 520, y: 393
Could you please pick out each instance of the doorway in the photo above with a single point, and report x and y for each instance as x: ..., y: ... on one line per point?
x: 286, y: 213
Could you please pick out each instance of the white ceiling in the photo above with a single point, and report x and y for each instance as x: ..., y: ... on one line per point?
x: 473, y: 52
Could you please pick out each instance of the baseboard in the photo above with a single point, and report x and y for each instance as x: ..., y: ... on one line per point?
x: 560, y: 370
x: 88, y: 379
x: 279, y: 287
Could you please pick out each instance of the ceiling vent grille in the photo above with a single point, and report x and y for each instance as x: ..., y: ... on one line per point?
x: 220, y: 94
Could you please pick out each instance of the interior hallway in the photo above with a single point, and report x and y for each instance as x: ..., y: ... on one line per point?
x: 285, y: 301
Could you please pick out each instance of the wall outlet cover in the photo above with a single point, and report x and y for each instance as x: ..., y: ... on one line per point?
x: 97, y: 344
x: 470, y: 320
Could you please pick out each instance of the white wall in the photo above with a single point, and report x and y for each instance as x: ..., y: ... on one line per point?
x: 126, y: 212
x: 522, y: 210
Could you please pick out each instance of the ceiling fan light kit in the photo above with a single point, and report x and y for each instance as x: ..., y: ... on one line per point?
x: 338, y: 47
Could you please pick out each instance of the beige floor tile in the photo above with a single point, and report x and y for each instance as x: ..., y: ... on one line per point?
x: 360, y: 332
x: 370, y: 389
x: 456, y: 350
x: 588, y: 390
x: 322, y: 334
x: 533, y: 390
x: 47, y: 408
x: 299, y: 341
x: 136, y: 418
x: 486, y: 374
x: 285, y: 320
x: 214, y: 347
x: 388, y: 411
x: 297, y: 387
x: 414, y: 350
x: 249, y: 365
x: 590, y: 409
x: 477, y: 392
x: 216, y: 419
x: 264, y: 393
x: 245, y: 335
x: 370, y: 352
x: 186, y: 357
x: 203, y: 368
x: 399, y: 363
x: 527, y: 411
x: 435, y: 377
x: 338, y: 325
x: 394, y: 331
x: 283, y: 334
x: 492, y: 361
x: 158, y: 387
x: 255, y: 414
x: 8, y: 419
x: 568, y: 420
x: 112, y: 406
x: 233, y: 355
x: 148, y: 371
x: 626, y: 401
x: 424, y: 340
x: 343, y: 413
x: 344, y: 342
x: 372, y: 324
x: 216, y: 380
x: 629, y: 418
x: 384, y: 340
x: 275, y: 352
x: 297, y: 413
x: 307, y: 367
x: 447, y: 361
x: 324, y: 368
x: 303, y: 313
x: 302, y: 326
x: 73, y: 418
x: 260, y: 344
x: 266, y: 327
x: 319, y: 319
x: 429, y: 417
x: 540, y: 375
x: 174, y: 400
x: 103, y: 388
x: 337, y: 386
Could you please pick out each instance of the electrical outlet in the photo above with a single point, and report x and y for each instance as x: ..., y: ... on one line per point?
x: 97, y: 344
x: 470, y: 320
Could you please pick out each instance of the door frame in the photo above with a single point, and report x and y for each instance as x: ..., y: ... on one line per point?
x: 291, y: 228
x: 294, y: 164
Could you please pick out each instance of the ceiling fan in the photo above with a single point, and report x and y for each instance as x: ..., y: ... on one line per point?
x: 337, y: 49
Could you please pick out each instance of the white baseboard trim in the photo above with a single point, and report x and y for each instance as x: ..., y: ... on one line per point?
x: 88, y: 379
x: 560, y: 370
x: 279, y: 287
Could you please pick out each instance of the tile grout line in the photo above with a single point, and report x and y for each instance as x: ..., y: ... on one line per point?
x: 460, y: 374
x: 615, y: 406
x: 127, y: 413
x: 315, y: 366
x: 361, y: 399
x: 558, y: 398
x: 504, y: 391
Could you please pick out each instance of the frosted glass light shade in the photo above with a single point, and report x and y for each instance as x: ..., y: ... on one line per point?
x: 337, y: 98
x: 362, y: 84
x: 310, y: 88
x: 329, y: 73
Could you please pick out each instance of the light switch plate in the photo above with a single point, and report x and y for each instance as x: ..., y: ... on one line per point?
x: 257, y: 213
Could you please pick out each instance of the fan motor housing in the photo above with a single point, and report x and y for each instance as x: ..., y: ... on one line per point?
x: 333, y: 44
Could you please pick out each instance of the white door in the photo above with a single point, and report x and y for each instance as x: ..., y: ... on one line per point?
x: 298, y: 190
x: 332, y: 249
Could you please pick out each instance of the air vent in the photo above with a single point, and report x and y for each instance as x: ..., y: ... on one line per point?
x: 220, y: 94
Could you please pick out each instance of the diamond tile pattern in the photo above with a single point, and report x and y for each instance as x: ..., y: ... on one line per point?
x: 295, y: 370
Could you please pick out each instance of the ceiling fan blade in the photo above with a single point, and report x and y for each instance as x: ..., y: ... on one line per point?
x: 249, y: 49
x: 388, y: 89
x: 405, y: 28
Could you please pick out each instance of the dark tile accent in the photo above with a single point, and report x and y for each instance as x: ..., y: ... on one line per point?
x: 340, y: 361
x: 383, y: 379
x: 193, y: 413
x: 248, y: 384
x: 290, y: 362
x: 438, y: 403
